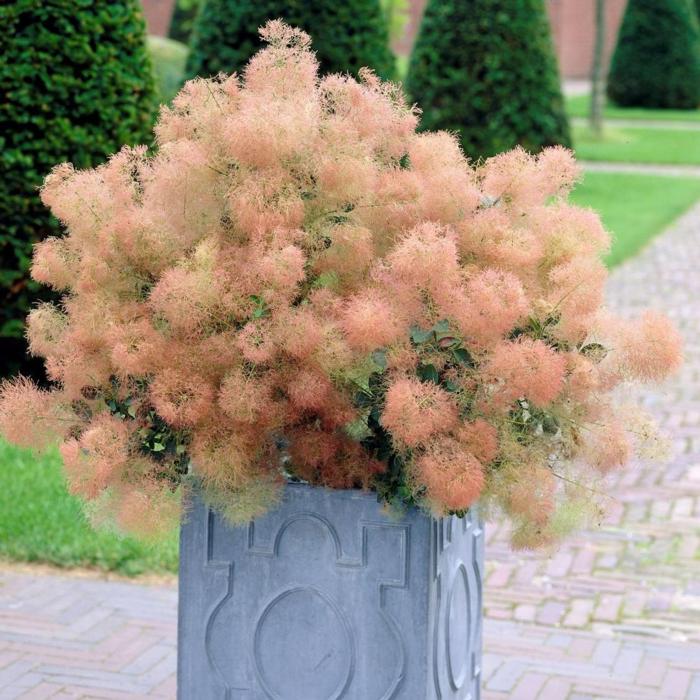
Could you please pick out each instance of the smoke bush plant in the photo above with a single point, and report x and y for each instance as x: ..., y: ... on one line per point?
x: 298, y: 285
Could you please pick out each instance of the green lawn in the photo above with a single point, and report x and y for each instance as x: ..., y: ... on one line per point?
x: 634, y: 208
x: 168, y: 58
x: 402, y: 66
x: 639, y: 145
x: 579, y: 106
x: 40, y: 522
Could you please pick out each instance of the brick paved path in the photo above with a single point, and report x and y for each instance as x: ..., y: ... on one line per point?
x: 613, y: 614
x: 67, y: 637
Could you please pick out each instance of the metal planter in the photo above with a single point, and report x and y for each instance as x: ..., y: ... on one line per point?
x: 328, y: 597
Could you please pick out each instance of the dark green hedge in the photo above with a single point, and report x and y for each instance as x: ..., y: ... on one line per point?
x: 181, y: 24
x: 75, y: 84
x: 346, y: 35
x: 657, y: 58
x: 486, y: 70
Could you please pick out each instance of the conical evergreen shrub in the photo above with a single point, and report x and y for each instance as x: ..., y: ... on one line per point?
x: 182, y: 22
x: 657, y: 59
x: 75, y: 84
x: 486, y: 70
x: 346, y: 35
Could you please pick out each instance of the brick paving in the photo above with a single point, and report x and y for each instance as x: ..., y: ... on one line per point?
x: 614, y: 614
x: 73, y: 637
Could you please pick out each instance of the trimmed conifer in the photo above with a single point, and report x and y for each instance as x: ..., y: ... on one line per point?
x: 486, y: 70
x: 347, y: 35
x: 75, y: 84
x: 182, y: 22
x: 656, y: 62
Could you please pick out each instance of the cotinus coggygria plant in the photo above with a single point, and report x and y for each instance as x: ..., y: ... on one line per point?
x: 298, y: 285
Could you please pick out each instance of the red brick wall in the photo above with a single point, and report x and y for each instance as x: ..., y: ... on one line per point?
x: 573, y: 29
x: 158, y: 14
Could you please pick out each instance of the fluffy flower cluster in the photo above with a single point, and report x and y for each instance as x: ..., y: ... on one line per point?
x: 299, y: 285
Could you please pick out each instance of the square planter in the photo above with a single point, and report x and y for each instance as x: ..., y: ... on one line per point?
x: 328, y: 597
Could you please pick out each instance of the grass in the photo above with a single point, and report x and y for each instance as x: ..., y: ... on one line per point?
x: 639, y: 145
x: 579, y: 105
x: 635, y: 207
x: 41, y: 522
x: 402, y: 62
x: 168, y: 58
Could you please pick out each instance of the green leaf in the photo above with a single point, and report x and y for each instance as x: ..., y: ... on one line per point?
x: 450, y: 386
x: 158, y: 447
x: 363, y: 399
x: 596, y: 351
x: 328, y: 279
x: 428, y: 373
x: 379, y: 359
x: 549, y: 424
x: 358, y: 429
x: 404, y: 492
x: 419, y: 336
x: 260, y: 309
x: 463, y: 356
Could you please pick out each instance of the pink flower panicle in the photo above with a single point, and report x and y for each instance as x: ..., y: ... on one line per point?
x: 417, y: 411
x: 296, y: 281
x: 493, y: 304
x: 370, y: 322
x: 32, y: 417
x: 527, y: 369
x: 182, y: 400
x: 453, y: 477
x: 649, y: 350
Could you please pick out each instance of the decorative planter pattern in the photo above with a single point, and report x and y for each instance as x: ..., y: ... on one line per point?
x: 327, y: 597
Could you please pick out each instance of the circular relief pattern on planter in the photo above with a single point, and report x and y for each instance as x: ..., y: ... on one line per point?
x: 304, y: 646
x: 457, y: 628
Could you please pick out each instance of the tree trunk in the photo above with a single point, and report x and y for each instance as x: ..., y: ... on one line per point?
x: 598, y: 72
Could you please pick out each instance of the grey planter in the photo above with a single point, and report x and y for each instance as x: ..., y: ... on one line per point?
x: 327, y: 598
